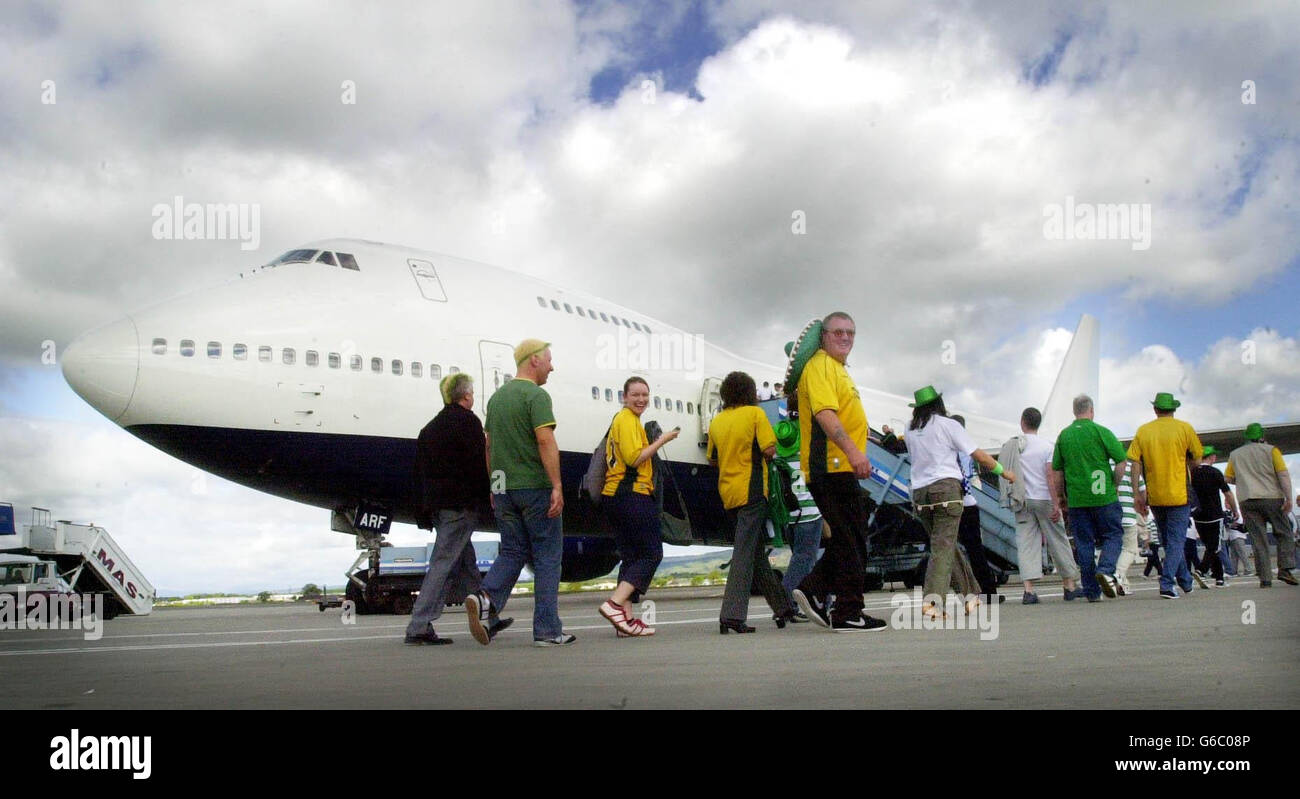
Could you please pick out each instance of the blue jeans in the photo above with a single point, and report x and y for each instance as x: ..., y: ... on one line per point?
x: 1172, y: 521
x: 1093, y: 528
x: 528, y: 536
x: 805, y: 537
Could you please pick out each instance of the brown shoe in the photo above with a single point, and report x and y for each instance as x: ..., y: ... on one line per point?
x: 1285, y: 576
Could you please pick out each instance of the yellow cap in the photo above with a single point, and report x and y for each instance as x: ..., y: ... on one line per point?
x: 528, y: 348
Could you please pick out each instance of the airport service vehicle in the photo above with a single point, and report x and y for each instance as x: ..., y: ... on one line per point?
x: 82, y: 557
x: 30, y: 575
x: 391, y: 583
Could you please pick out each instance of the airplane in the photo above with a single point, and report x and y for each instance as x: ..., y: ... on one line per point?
x: 309, y: 377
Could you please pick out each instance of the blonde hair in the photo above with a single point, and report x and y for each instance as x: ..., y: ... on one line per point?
x: 455, y: 386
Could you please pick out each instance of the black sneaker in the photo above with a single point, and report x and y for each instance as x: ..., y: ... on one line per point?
x: 1168, y: 593
x: 812, y: 607
x: 426, y: 637
x: 497, y: 625
x: 860, y: 624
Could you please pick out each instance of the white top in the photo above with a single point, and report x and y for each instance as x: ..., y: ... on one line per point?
x: 1034, y: 462
x: 934, y: 450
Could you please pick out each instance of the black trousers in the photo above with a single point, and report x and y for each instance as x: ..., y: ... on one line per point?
x: 968, y: 534
x: 1209, y: 533
x: 840, y: 571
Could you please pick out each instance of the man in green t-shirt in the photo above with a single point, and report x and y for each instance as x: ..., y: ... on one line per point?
x: 527, y: 497
x: 1091, y: 461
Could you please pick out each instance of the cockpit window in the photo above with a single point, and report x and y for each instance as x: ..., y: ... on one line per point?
x: 348, y: 262
x: 327, y: 257
x: 295, y: 257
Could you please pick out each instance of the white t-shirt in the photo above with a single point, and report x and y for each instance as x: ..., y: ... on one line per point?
x: 968, y: 471
x: 934, y: 450
x: 1033, y: 466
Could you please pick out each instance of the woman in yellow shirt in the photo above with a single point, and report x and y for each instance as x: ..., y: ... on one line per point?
x: 629, y: 503
x: 740, y: 439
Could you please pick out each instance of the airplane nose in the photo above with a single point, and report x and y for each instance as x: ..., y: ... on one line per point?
x: 102, y: 365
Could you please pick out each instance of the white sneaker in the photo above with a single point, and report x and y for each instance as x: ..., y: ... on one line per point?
x: 563, y: 639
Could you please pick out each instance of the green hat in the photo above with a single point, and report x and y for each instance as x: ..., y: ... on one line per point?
x: 1165, y: 401
x: 804, y: 347
x: 1254, y: 431
x: 1208, y: 451
x: 787, y: 438
x: 924, y: 396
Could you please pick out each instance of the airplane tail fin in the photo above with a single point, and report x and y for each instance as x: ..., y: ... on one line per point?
x: 1079, y: 375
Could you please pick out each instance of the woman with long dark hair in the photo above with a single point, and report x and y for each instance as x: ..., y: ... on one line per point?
x: 628, y: 501
x: 934, y: 443
x: 740, y: 438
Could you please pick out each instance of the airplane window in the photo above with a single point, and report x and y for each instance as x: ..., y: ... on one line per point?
x: 214, y: 349
x: 376, y: 365
x: 240, y: 351
x: 595, y: 393
x: 580, y: 313
x: 295, y: 257
x: 264, y: 354
x: 187, y: 347
x: 555, y: 305
x: 348, y: 262
x: 657, y: 404
x: 313, y: 358
x: 417, y: 370
x: 451, y: 370
x: 636, y: 327
x: 568, y: 307
x: 355, y: 363
x: 626, y: 323
x: 679, y: 406
x: 160, y: 346
x: 397, y: 367
x: 620, y: 396
x: 603, y: 317
x: 645, y: 327
x: 690, y: 408
x: 288, y: 356
x: 335, y: 360
x: 327, y: 257
x: 541, y: 302
x: 435, y: 371
x: 609, y: 395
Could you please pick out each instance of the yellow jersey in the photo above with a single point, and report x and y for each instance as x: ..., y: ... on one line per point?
x: 737, y: 438
x: 825, y: 385
x: 626, y: 440
x: 1162, y: 446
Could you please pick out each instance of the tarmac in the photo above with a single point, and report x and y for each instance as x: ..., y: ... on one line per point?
x: 1230, y: 648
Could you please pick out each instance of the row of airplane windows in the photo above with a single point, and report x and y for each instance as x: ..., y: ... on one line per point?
x: 661, y: 403
x: 289, y: 356
x: 592, y: 314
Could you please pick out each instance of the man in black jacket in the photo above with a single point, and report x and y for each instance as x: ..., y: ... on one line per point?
x: 451, y: 465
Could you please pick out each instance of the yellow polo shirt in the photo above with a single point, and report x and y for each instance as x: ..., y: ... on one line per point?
x: 825, y: 385
x: 737, y: 438
x: 626, y: 440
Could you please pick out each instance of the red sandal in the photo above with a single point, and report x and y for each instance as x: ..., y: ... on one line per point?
x: 616, y: 616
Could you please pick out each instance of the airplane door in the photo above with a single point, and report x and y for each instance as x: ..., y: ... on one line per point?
x: 710, y: 403
x: 426, y: 278
x: 498, y: 368
x: 299, y: 404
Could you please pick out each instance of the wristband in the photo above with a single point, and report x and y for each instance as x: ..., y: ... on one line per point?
x: 997, y: 470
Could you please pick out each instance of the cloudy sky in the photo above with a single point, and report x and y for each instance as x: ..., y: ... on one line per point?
x: 901, y: 161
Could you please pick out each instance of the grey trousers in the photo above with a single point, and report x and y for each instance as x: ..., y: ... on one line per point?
x: 1240, y: 557
x: 1256, y: 512
x: 453, y: 559
x: 749, y: 566
x: 1033, y: 525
